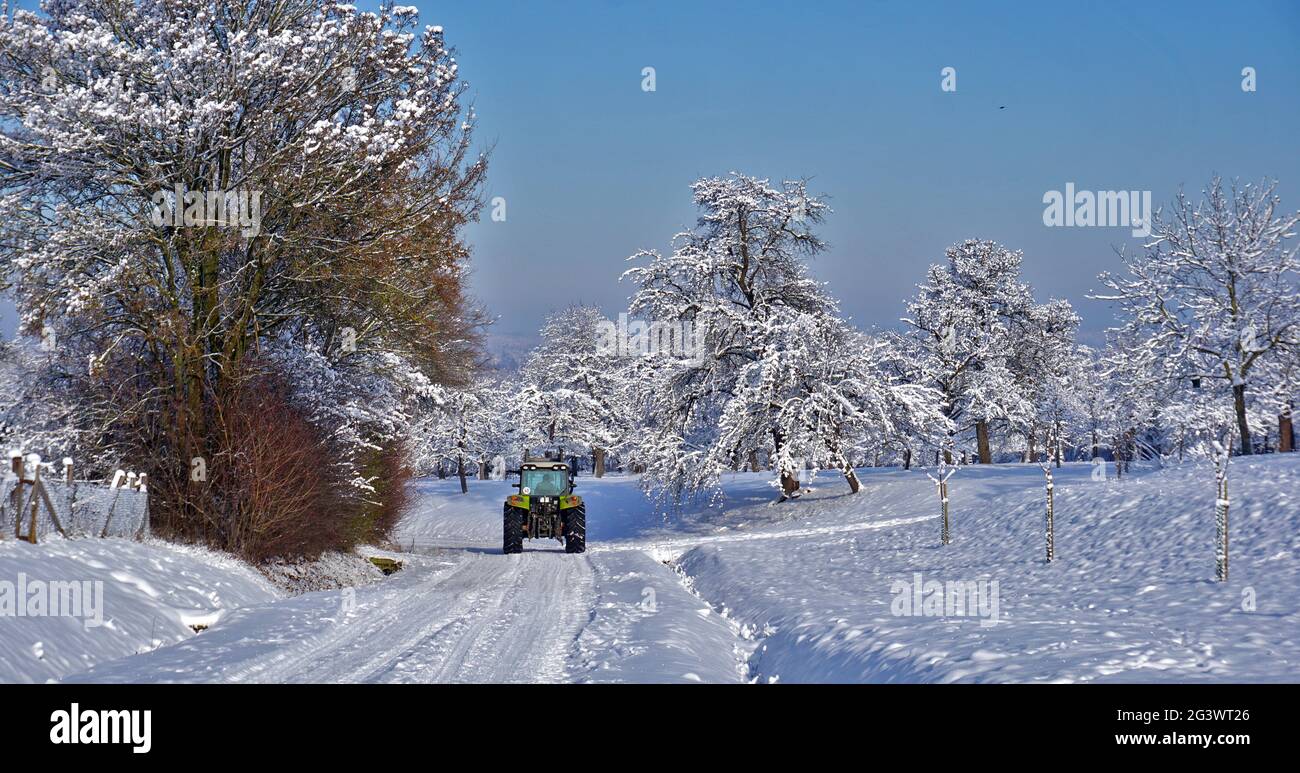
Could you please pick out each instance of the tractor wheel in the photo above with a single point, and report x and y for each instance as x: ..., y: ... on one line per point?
x: 575, y: 530
x: 512, y: 540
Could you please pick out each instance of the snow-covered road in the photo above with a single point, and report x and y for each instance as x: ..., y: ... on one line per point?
x: 482, y: 619
x: 463, y: 612
x: 805, y: 591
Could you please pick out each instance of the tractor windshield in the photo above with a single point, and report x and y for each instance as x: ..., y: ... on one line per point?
x: 545, y: 483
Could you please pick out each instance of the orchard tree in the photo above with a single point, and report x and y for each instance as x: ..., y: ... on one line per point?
x: 735, y: 278
x: 1137, y: 384
x: 1202, y: 413
x: 1057, y: 404
x: 1094, y: 399
x: 570, y: 393
x: 963, y: 320
x: 1048, y: 369
x: 1216, y: 291
x: 827, y: 391
x: 461, y: 425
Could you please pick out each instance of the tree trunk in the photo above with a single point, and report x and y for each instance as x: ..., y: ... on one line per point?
x: 845, y: 465
x: 1033, y: 452
x: 946, y: 536
x: 442, y: 471
x: 852, y: 478
x: 1285, y: 432
x: 1239, y: 402
x: 1221, y: 524
x: 982, y: 441
x: 460, y: 473
x: 598, y: 462
x: 1051, y: 515
x: 1096, y: 447
x: 483, y: 468
x: 907, y: 458
x: 789, y: 483
x: 789, y: 486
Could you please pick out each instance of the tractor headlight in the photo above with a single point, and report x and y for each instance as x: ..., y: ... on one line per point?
x: 525, y: 491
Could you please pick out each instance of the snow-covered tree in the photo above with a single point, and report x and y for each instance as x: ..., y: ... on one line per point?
x: 1216, y: 292
x: 1201, y: 413
x: 1135, y: 385
x: 1058, y: 404
x: 737, y: 278
x: 461, y: 427
x: 963, y: 323
x: 1091, y: 387
x: 825, y: 389
x: 1048, y: 366
x: 197, y: 191
x: 570, y: 388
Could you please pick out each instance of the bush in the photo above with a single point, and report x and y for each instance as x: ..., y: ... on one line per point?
x: 272, y: 487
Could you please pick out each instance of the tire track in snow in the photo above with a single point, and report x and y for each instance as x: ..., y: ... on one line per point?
x: 529, y: 635
x: 310, y: 660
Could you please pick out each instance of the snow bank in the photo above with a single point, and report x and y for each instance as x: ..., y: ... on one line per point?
x: 132, y: 597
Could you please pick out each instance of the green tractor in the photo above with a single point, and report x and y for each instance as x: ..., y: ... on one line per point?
x: 545, y: 507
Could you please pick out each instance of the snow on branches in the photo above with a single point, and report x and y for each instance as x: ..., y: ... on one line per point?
x: 1215, y: 295
x: 780, y: 371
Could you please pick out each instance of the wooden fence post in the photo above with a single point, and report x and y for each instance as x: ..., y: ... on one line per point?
x: 16, y: 498
x: 36, y: 504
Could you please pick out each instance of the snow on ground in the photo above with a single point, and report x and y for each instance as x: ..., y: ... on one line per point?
x: 757, y: 591
x: 149, y: 595
x: 1129, y: 598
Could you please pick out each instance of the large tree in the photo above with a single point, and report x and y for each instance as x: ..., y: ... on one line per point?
x: 340, y: 141
x: 732, y: 278
x: 1215, y: 293
x: 964, y: 324
x: 828, y: 390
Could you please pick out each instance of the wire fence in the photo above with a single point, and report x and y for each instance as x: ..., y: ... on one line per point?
x: 37, y: 505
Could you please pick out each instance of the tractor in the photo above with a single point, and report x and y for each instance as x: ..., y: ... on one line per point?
x: 545, y: 507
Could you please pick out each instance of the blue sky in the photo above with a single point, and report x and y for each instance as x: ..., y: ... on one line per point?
x: 1108, y: 96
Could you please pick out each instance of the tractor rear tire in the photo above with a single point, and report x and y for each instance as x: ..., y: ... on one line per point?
x: 575, y: 530
x: 512, y: 540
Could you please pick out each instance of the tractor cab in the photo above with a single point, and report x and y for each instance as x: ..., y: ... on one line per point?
x: 544, y: 479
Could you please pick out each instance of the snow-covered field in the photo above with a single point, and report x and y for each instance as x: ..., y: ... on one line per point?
x: 815, y: 590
